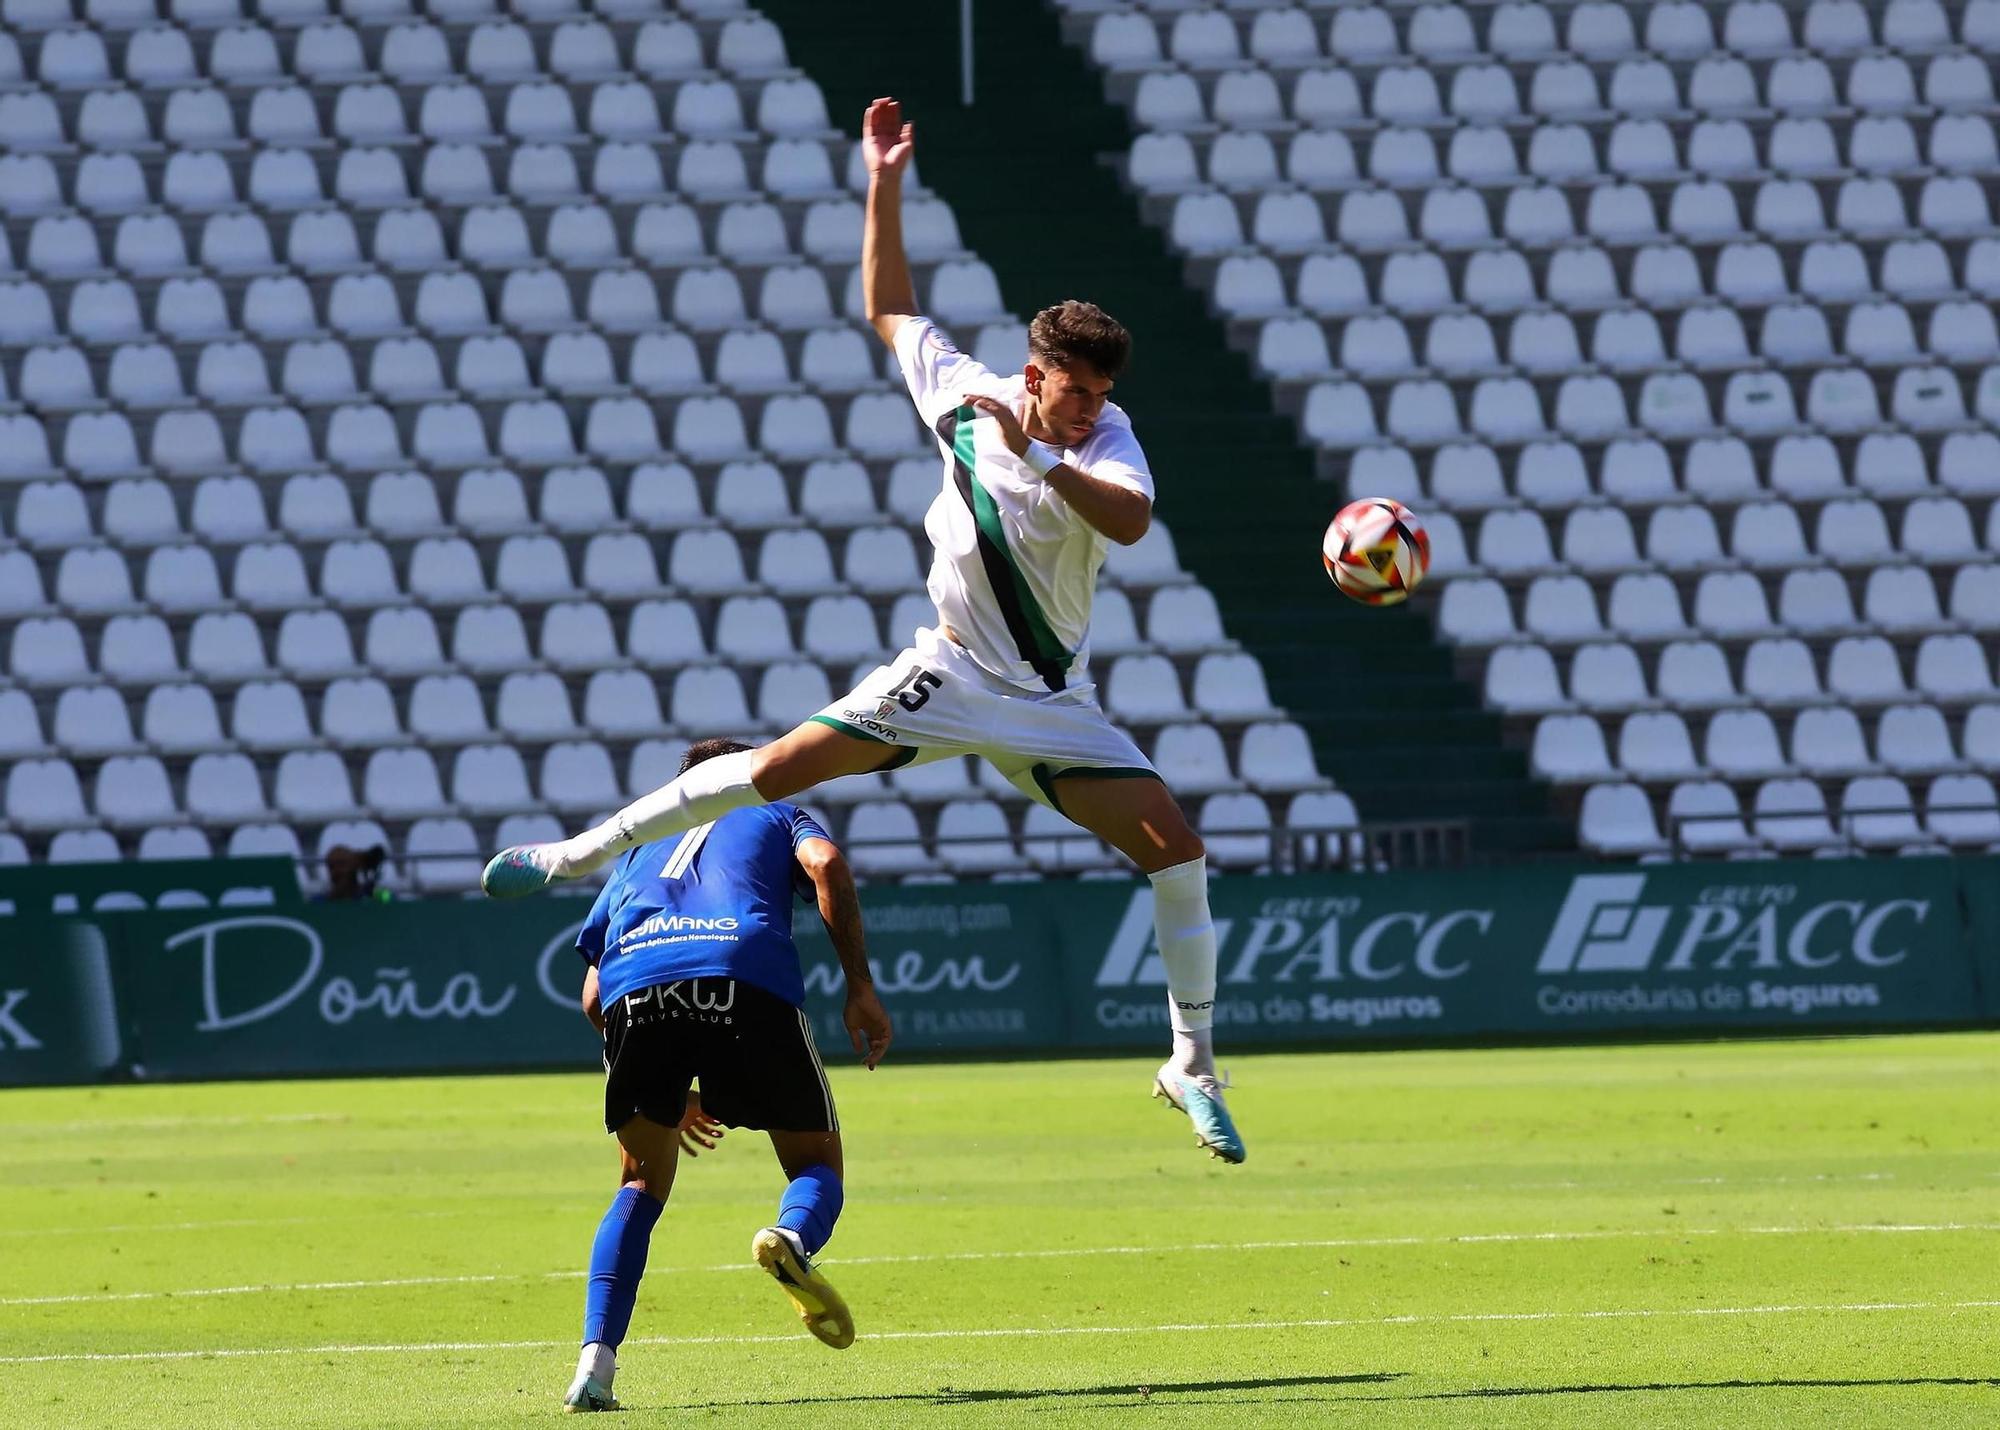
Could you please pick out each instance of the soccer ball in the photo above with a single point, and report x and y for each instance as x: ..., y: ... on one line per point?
x: 1376, y: 551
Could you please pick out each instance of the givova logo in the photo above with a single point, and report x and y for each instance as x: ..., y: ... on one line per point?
x: 1603, y: 927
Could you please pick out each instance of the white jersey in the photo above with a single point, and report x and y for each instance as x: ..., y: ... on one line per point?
x: 1015, y: 568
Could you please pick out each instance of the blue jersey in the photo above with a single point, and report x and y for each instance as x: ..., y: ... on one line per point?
x: 715, y: 901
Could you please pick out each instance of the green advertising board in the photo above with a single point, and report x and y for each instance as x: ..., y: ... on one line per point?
x: 961, y: 968
x: 353, y: 987
x: 1325, y: 960
x: 1553, y: 952
x: 1979, y: 886
x: 64, y: 890
x: 433, y: 986
x: 59, y: 1010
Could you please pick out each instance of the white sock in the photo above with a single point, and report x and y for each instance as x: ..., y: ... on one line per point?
x: 1194, y: 1051
x: 1186, y: 935
x: 707, y: 792
x: 599, y: 1362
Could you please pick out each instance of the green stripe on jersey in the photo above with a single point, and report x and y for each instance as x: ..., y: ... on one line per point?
x: 986, y: 516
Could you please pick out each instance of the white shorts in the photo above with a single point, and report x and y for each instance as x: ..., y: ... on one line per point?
x: 933, y: 701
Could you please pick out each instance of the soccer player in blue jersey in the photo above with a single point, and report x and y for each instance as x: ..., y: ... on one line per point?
x: 698, y: 979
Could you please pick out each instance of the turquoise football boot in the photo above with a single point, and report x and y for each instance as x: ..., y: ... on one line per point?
x: 1199, y: 1095
x: 523, y: 869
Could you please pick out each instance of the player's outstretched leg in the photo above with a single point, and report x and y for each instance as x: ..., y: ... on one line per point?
x: 708, y: 787
x: 703, y: 792
x: 805, y: 1222
x: 1185, y: 932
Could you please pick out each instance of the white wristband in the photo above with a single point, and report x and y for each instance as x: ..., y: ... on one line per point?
x: 1041, y: 458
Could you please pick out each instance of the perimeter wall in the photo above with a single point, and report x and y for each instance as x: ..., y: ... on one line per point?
x: 220, y: 970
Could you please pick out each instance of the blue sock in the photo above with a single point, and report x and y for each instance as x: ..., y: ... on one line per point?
x: 617, y: 1261
x: 812, y: 1205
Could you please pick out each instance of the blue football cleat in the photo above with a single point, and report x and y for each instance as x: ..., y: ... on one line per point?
x: 523, y: 869
x: 1199, y: 1095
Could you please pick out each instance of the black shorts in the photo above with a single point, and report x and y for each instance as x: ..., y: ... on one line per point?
x: 751, y: 1050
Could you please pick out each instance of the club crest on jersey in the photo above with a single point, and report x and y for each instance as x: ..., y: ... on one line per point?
x: 884, y: 710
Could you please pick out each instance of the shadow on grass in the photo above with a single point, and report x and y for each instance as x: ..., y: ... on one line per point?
x: 949, y: 1396
x: 1512, y: 1392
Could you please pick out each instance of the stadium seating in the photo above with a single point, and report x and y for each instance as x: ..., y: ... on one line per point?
x: 416, y: 427
x: 1675, y: 321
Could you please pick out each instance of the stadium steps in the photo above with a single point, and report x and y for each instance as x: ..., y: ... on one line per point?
x: 1027, y: 174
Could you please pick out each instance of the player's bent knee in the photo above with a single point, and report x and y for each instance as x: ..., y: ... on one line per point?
x: 1171, y: 838
x: 1174, y: 850
x: 771, y: 772
x: 800, y: 1150
x: 792, y: 764
x: 811, y: 755
x: 650, y: 1151
x: 1183, y: 844
x: 652, y: 1187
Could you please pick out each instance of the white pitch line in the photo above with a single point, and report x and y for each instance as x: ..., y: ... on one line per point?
x: 1047, y: 1253
x: 161, y: 1124
x: 231, y: 1224
x: 1345, y: 1188
x: 1334, y: 1243
x: 998, y: 1332
x: 99, y: 1296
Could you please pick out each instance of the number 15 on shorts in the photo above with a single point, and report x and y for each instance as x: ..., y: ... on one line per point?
x: 914, y: 689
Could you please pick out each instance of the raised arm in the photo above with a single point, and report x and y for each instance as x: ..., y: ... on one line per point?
x: 840, y: 910
x: 887, y: 294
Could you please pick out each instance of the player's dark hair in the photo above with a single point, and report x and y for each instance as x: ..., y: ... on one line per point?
x: 1074, y: 331
x: 707, y: 750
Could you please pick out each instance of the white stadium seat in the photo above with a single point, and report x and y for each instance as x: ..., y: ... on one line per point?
x: 92, y: 719
x: 1963, y: 810
x: 402, y: 783
x: 1569, y: 748
x: 44, y: 795
x: 1618, y: 819
x: 1694, y: 674
x: 1741, y: 744
x: 1791, y: 815
x: 1705, y: 818
x: 1236, y: 828
x: 1877, y: 812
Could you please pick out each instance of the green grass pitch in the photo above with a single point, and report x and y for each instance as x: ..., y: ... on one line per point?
x: 1787, y: 1233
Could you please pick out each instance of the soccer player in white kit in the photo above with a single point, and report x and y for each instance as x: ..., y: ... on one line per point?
x: 1040, y: 471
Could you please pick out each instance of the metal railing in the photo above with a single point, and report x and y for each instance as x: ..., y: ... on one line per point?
x: 1288, y: 849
